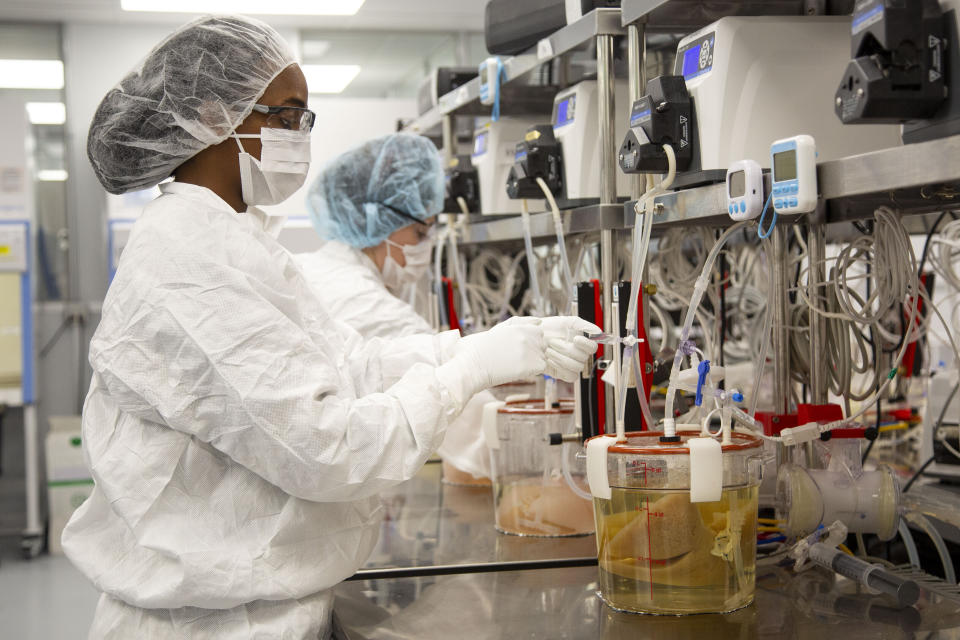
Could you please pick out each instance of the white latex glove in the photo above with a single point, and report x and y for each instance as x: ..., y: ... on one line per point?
x: 512, y: 350
x: 567, y: 349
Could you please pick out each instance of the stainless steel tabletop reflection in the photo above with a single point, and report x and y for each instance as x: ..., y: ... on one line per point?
x: 562, y: 604
x: 428, y: 523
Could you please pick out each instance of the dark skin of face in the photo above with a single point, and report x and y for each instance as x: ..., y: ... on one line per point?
x: 217, y: 167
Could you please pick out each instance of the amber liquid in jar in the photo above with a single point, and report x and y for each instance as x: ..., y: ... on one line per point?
x: 659, y: 553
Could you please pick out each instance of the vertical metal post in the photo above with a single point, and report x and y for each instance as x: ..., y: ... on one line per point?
x: 608, y: 191
x: 449, y: 141
x: 816, y: 251
x: 605, y: 89
x: 636, y: 68
x: 33, y: 534
x: 781, y: 332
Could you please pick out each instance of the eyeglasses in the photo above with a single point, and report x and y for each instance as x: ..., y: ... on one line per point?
x: 420, y: 223
x: 284, y: 117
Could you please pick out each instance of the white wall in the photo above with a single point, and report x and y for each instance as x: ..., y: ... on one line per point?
x: 96, y: 57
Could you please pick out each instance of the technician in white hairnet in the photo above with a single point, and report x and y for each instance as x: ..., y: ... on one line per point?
x: 376, y: 206
x: 236, y: 433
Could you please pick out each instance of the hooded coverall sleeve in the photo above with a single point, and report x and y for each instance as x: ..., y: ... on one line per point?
x: 211, y: 351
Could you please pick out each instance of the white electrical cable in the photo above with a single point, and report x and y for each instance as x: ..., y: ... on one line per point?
x: 765, y: 338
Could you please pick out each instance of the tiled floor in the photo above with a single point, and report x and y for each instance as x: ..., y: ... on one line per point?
x: 44, y: 598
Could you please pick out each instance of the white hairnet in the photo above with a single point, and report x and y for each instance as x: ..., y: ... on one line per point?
x: 355, y: 197
x: 190, y: 92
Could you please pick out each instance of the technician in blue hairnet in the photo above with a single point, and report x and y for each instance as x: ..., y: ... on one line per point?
x: 376, y: 207
x: 238, y: 434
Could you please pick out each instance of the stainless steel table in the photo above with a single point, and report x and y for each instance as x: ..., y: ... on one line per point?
x: 562, y: 603
x: 427, y: 523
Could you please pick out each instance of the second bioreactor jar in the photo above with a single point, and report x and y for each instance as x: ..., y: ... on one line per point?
x: 531, y: 495
x: 660, y: 552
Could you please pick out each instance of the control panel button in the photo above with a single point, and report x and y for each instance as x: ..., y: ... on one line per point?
x: 778, y: 203
x: 743, y: 206
x: 793, y: 202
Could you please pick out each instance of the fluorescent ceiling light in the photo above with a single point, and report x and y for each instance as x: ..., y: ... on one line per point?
x: 329, y: 78
x: 31, y: 74
x: 46, y: 112
x: 288, y: 7
x: 52, y: 175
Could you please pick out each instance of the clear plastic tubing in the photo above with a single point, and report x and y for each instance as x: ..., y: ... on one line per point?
x: 873, y: 576
x: 565, y: 469
x: 460, y: 275
x: 767, y: 327
x: 703, y: 281
x: 531, y: 264
x: 567, y: 278
x: 438, y: 256
x: 641, y: 246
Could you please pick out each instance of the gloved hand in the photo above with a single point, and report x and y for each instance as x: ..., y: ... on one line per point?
x: 512, y: 350
x: 567, y: 349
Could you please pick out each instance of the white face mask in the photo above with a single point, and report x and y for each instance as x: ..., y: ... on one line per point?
x: 280, y: 171
x: 417, y: 258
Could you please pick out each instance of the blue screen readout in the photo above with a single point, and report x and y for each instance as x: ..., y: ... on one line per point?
x: 691, y: 61
x: 697, y: 58
x: 480, y: 144
x: 565, y: 111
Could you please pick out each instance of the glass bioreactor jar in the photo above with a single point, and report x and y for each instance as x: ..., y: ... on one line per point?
x: 664, y: 550
x: 531, y: 496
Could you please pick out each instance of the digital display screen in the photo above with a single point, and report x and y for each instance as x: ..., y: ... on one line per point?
x: 565, y: 111
x: 697, y: 58
x: 691, y: 61
x: 480, y: 144
x: 738, y: 184
x: 785, y: 165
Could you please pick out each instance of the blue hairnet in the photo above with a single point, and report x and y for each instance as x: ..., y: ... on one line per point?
x: 190, y: 92
x: 348, y: 200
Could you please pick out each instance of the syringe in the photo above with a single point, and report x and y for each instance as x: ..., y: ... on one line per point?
x: 873, y: 576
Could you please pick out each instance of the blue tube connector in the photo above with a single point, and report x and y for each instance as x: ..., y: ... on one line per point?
x: 702, y: 370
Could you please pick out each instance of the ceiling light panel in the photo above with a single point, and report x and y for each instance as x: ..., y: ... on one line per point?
x: 288, y: 7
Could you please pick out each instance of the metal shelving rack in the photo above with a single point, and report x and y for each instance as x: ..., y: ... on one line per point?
x: 600, y: 26
x: 465, y: 100
x: 915, y: 179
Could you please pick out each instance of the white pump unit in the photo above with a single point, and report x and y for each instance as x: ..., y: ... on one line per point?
x: 754, y: 80
x: 576, y: 127
x: 494, y: 145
